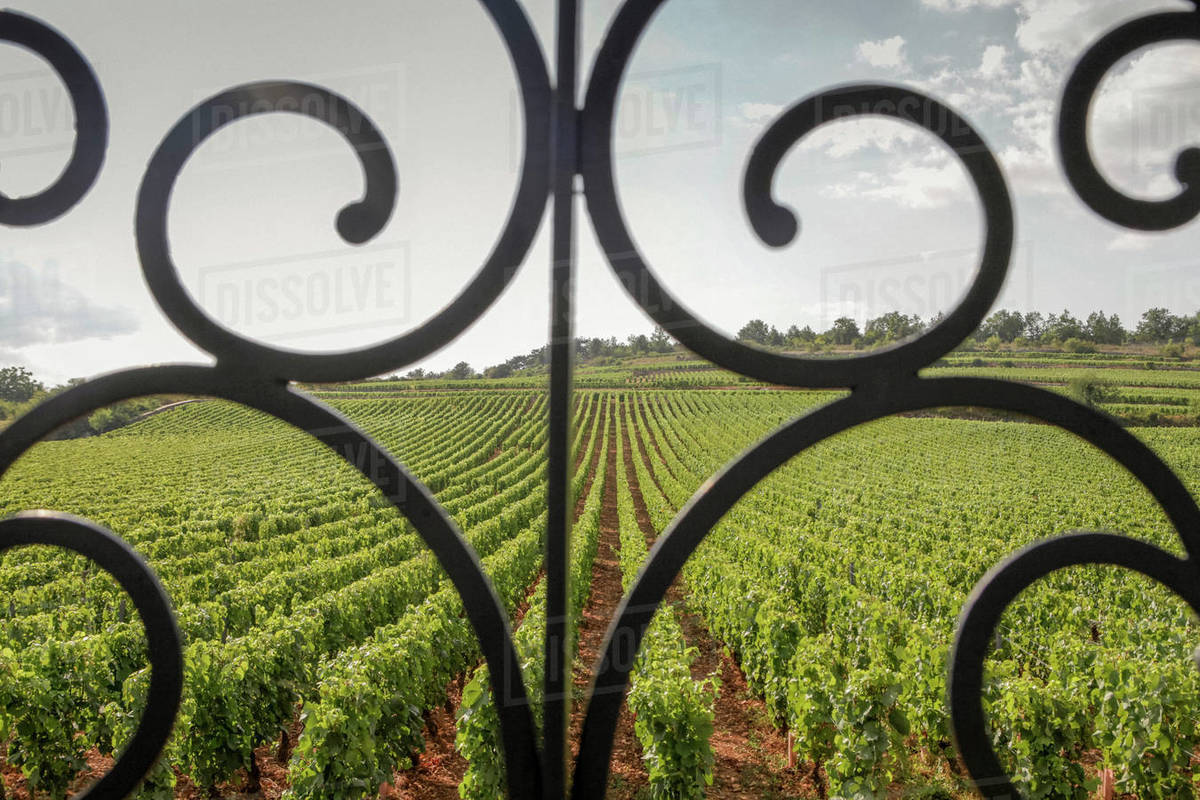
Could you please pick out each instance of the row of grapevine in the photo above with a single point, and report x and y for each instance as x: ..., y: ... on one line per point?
x: 1119, y: 376
x: 845, y: 631
x: 478, y: 724
x: 673, y: 714
x: 293, y: 581
x: 365, y: 719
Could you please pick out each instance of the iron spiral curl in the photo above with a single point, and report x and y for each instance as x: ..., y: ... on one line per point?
x: 1076, y: 153
x: 883, y: 383
x: 113, y: 555
x: 91, y: 122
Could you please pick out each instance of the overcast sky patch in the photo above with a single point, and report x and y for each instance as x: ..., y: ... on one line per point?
x: 38, y: 307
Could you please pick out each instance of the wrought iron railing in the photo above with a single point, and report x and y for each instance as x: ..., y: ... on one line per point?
x: 563, y: 142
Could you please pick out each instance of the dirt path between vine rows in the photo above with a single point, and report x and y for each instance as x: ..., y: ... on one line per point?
x: 627, y: 774
x: 751, y: 755
x: 440, y: 768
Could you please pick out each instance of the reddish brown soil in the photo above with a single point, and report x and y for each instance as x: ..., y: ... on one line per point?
x: 635, y: 491
x: 751, y: 755
x: 441, y: 768
x: 627, y: 775
x: 15, y: 785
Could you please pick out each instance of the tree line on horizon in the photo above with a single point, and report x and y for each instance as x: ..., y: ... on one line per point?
x: 1156, y: 326
x: 586, y: 349
x: 19, y: 389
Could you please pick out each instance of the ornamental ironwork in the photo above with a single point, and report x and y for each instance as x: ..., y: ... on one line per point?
x: 564, y: 142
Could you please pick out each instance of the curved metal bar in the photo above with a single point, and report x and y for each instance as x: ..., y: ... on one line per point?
x: 356, y: 223
x: 720, y: 493
x: 406, y: 493
x: 777, y: 225
x: 163, y: 641
x: 91, y: 122
x: 1073, y: 146
x: 992, y: 595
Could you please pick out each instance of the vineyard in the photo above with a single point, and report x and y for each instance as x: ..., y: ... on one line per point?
x: 327, y: 655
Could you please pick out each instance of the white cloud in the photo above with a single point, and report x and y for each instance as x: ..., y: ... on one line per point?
x: 854, y: 135
x: 38, y: 307
x: 760, y: 112
x: 1032, y: 170
x: 1130, y: 242
x: 1039, y: 78
x: 922, y: 177
x: 920, y: 185
x: 992, y: 64
x: 853, y: 188
x: 1064, y: 28
x: 885, y: 53
x: 1139, y: 122
x: 963, y: 5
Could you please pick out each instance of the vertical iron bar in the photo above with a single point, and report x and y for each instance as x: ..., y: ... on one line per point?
x: 562, y: 353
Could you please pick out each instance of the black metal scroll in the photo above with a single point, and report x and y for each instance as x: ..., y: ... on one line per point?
x: 563, y: 141
x: 91, y: 122
x: 162, y: 634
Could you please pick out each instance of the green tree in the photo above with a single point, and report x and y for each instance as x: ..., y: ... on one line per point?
x: 1077, y: 345
x: 1063, y: 326
x: 17, y: 384
x: 1006, y: 325
x: 660, y: 342
x: 755, y: 331
x: 1105, y: 330
x: 1160, y: 325
x: 844, y: 331
x: 499, y: 371
x: 1087, y: 389
x: 1035, y: 325
x: 799, y: 336
x: 462, y: 371
x: 892, y: 327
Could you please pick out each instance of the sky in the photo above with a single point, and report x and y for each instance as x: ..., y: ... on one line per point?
x: 889, y: 219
